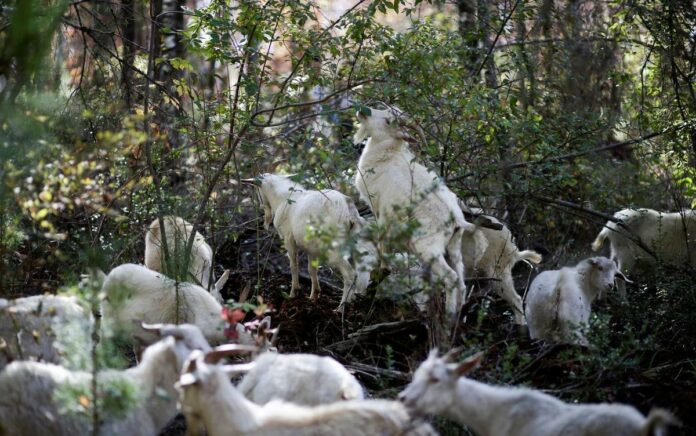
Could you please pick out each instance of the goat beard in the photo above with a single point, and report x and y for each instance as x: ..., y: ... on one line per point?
x: 361, y: 134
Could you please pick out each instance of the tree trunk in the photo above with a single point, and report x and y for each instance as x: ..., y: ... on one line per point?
x: 469, y: 53
x: 490, y: 74
x: 526, y: 73
x: 170, y: 17
x: 128, y: 40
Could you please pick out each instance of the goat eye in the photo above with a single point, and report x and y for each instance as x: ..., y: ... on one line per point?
x: 433, y: 379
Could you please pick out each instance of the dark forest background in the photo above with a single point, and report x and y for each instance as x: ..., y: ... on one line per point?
x: 549, y: 114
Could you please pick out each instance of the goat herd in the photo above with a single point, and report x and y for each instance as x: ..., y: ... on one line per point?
x: 288, y: 394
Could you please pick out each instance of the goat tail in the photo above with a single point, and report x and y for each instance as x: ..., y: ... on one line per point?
x: 97, y: 276
x: 530, y: 256
x: 362, y: 280
x: 658, y: 421
x: 352, y: 391
x: 364, y: 261
x: 599, y: 241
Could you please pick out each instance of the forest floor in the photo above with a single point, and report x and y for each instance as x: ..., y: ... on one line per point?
x: 382, y: 340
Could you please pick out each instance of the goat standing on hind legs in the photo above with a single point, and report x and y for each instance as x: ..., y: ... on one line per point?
x: 388, y: 180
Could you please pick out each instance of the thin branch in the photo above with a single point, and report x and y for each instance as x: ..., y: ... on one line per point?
x: 323, y: 33
x: 89, y: 30
x: 308, y: 103
x: 497, y: 37
x: 571, y: 156
x: 586, y: 39
x: 628, y: 233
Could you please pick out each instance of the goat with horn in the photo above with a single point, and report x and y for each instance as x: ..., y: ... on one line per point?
x: 292, y: 209
x: 389, y: 180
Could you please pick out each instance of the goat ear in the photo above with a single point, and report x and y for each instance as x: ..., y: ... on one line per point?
x: 433, y: 353
x: 469, y: 364
x: 188, y: 379
x: 451, y: 354
x: 190, y: 364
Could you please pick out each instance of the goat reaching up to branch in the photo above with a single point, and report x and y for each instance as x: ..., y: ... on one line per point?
x: 389, y: 179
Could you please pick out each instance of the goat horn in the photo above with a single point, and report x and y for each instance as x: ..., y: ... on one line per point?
x: 240, y: 368
x: 623, y: 277
x: 149, y: 327
x: 410, y: 123
x: 274, y: 165
x: 452, y: 353
x: 421, y: 133
x: 252, y: 181
x: 226, y: 350
x: 245, y: 293
x: 274, y: 337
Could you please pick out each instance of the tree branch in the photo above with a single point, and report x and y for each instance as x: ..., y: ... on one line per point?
x: 571, y: 156
x: 627, y: 233
x: 497, y: 37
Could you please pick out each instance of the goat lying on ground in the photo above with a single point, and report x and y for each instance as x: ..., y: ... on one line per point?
x: 208, y: 398
x: 671, y: 237
x: 305, y: 379
x: 389, y: 181
x: 291, y: 208
x: 441, y: 388
x: 30, y: 326
x: 28, y: 405
x: 559, y: 302
x: 200, y: 262
x: 493, y: 253
x: 135, y: 293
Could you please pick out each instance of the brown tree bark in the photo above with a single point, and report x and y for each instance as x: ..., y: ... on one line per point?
x: 469, y: 53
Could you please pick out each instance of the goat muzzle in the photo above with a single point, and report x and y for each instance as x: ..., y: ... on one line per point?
x: 419, y: 130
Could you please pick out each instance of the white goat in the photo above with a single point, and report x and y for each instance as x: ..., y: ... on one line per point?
x: 29, y: 326
x: 291, y: 209
x: 135, y: 293
x: 305, y: 379
x: 440, y: 388
x: 389, y: 180
x: 28, y: 405
x: 208, y: 398
x: 671, y: 236
x: 493, y: 253
x: 200, y: 263
x: 559, y: 301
